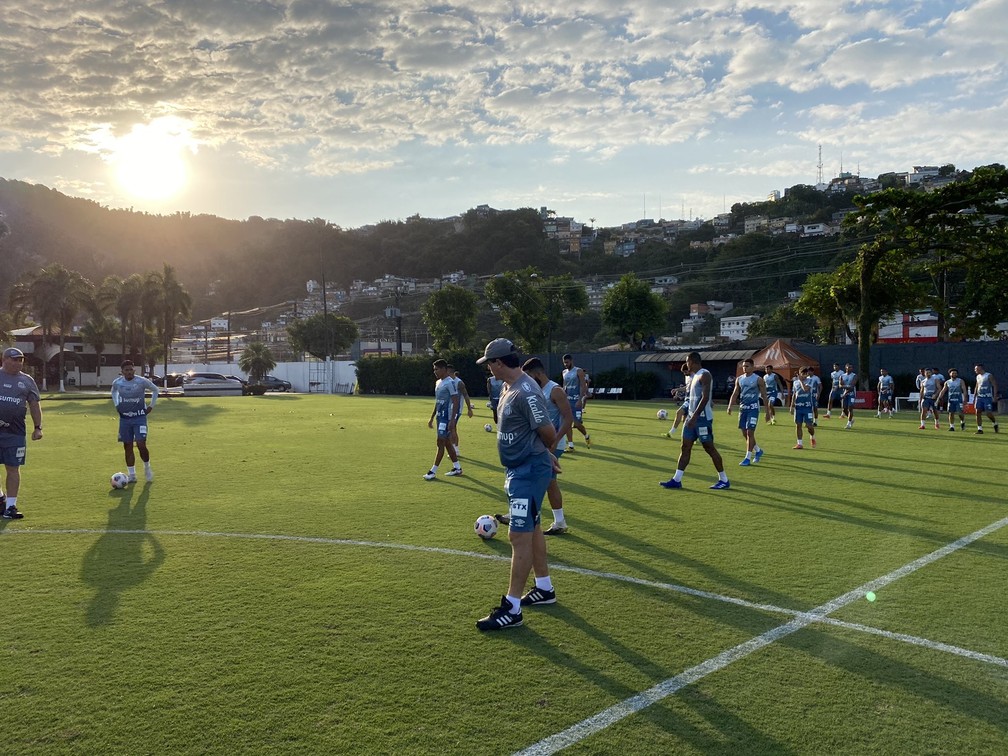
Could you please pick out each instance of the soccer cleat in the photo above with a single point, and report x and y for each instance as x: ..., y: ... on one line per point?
x: 570, y: 447
x: 671, y: 483
x: 500, y: 618
x: 813, y: 443
x: 503, y: 519
x: 797, y: 446
x: 131, y: 479
x: 995, y: 427
x: 11, y: 513
x: 455, y: 471
x: 979, y: 432
x: 759, y: 455
x: 555, y: 529
x: 936, y: 425
x: 921, y: 427
x: 827, y: 416
x: 850, y: 424
x: 588, y: 441
x: 951, y: 427
x: 773, y: 421
x: 745, y: 462
x: 538, y: 596
x: 149, y: 474
x: 430, y: 475
x: 962, y: 425
x: 815, y: 423
x: 721, y: 485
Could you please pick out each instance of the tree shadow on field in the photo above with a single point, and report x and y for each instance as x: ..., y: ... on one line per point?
x: 123, y: 557
x: 888, y: 672
x: 722, y: 720
x: 610, y: 498
x: 820, y: 509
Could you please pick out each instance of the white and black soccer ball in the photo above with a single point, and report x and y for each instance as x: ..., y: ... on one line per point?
x: 662, y: 415
x: 119, y: 480
x: 488, y: 428
x: 486, y: 527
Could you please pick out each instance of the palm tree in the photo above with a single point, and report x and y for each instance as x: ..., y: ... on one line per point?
x: 175, y: 303
x: 98, y: 331
x: 128, y: 296
x: 55, y: 296
x: 257, y: 360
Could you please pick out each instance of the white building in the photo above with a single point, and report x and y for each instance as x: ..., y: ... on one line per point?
x: 736, y: 327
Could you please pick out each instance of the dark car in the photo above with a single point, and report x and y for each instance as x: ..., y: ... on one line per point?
x: 272, y: 383
x: 175, y: 380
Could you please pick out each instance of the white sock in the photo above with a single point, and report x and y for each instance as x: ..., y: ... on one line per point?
x: 146, y: 465
x: 678, y: 476
x: 11, y: 501
x: 544, y: 583
x: 131, y: 471
x: 558, y: 516
x: 456, y: 465
x: 433, y: 468
x: 515, y: 604
x: 723, y: 476
x: 799, y: 443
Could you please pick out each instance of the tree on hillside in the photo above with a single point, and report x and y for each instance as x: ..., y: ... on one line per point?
x: 785, y: 322
x: 632, y: 310
x: 450, y: 317
x: 257, y: 360
x: 532, y: 306
x: 322, y: 336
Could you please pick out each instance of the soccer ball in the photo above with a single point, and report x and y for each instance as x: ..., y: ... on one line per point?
x: 119, y: 480
x: 486, y: 527
x: 488, y: 428
x: 662, y: 415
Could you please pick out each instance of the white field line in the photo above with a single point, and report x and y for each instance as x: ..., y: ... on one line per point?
x: 634, y: 704
x: 672, y: 587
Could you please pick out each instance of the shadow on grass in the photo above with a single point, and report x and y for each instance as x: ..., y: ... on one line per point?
x: 821, y: 509
x: 723, y: 723
x: 117, y: 561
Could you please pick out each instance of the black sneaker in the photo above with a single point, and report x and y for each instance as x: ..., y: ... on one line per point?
x: 555, y: 529
x: 455, y: 471
x: 11, y: 513
x: 500, y: 618
x: 995, y: 427
x: 538, y: 596
x: 503, y: 519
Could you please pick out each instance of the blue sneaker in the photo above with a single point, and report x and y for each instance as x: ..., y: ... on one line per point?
x: 759, y: 455
x: 745, y: 462
x: 671, y: 483
x: 720, y: 485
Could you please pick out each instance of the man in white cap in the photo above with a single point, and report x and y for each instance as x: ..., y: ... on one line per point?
x: 525, y: 435
x: 17, y: 392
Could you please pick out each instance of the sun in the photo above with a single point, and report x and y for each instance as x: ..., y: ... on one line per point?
x: 150, y: 163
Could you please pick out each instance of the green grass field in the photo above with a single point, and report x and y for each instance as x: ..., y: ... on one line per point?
x: 290, y: 584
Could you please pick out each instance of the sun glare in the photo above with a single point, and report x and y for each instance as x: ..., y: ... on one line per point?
x: 150, y: 162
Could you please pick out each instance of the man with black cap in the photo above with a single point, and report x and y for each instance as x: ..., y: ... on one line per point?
x: 17, y: 391
x: 525, y: 435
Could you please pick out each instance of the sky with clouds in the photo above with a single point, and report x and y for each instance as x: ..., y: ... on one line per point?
x: 358, y: 112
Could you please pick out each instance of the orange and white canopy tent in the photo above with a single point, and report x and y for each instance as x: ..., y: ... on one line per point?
x: 785, y: 359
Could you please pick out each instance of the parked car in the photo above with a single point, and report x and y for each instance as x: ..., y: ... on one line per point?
x: 174, y: 380
x: 211, y: 384
x: 272, y: 383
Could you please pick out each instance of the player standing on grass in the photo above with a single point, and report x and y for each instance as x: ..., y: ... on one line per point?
x: 957, y: 391
x: 524, y: 437
x: 446, y: 410
x: 886, y: 392
x: 575, y: 383
x: 558, y: 408
x: 698, y: 426
x: 773, y: 391
x: 930, y: 389
x: 836, y: 388
x: 18, y: 396
x: 463, y: 397
x: 985, y: 399
x: 815, y: 383
x: 801, y: 405
x: 681, y: 395
x: 749, y: 389
x: 848, y: 384
x: 129, y: 397
x: 494, y: 388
